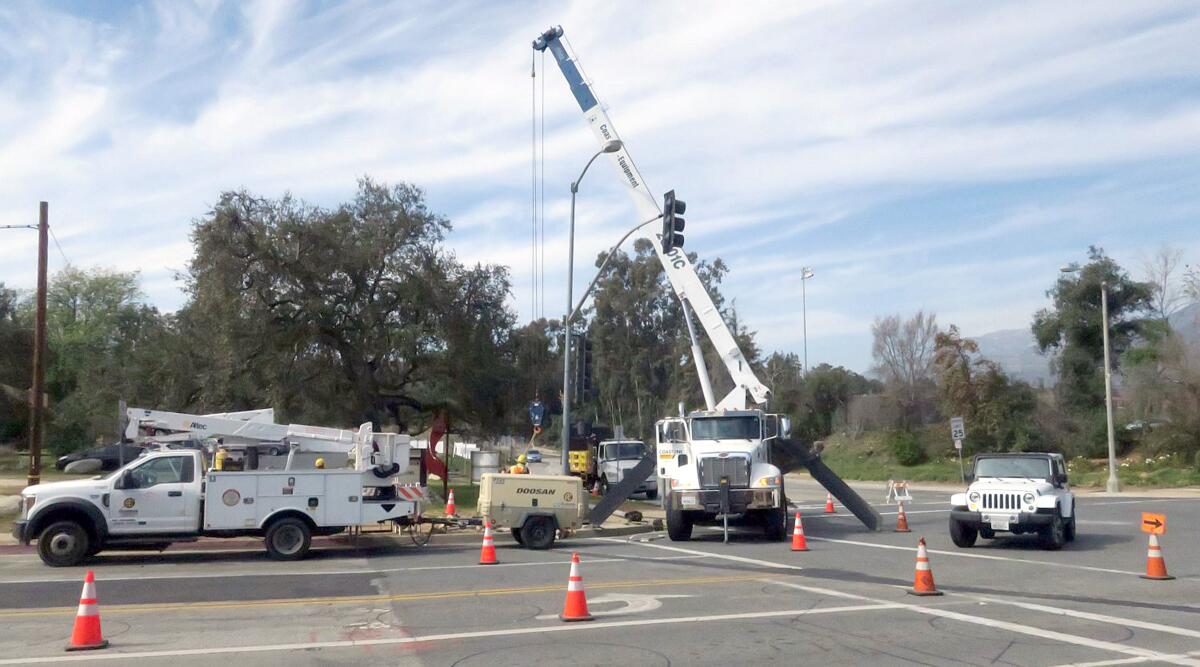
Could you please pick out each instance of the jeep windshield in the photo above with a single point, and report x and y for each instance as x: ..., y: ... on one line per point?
x: 1033, y: 468
x: 725, y: 428
x: 624, y: 451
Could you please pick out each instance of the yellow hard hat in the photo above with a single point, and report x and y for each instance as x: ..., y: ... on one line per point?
x: 320, y: 463
x: 521, y: 459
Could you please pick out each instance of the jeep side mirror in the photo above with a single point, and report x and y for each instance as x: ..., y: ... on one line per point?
x: 1060, y: 478
x: 969, y: 478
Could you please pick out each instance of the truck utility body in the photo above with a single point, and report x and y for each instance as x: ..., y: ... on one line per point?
x: 172, y: 496
x: 1015, y: 493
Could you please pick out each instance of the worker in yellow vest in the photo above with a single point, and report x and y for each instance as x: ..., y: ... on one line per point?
x: 520, y: 468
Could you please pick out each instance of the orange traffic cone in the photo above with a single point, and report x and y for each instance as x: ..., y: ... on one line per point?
x: 829, y: 504
x: 1156, y: 567
x: 902, y: 521
x: 451, y: 510
x: 575, y: 606
x: 487, y: 554
x: 923, y: 581
x: 86, y: 635
x: 799, y: 543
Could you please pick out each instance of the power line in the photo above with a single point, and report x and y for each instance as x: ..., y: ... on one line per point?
x: 58, y: 245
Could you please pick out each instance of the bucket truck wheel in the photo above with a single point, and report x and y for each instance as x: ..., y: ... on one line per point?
x: 679, y: 524
x: 775, y: 523
x: 63, y: 544
x: 288, y: 539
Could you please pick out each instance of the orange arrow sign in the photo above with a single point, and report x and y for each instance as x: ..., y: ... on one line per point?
x: 1154, y: 523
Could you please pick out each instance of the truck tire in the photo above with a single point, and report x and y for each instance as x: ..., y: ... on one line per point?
x: 1054, y: 536
x: 63, y: 544
x: 651, y: 495
x: 538, y: 532
x: 679, y: 524
x: 963, y: 535
x: 775, y: 523
x: 603, y: 484
x: 288, y: 538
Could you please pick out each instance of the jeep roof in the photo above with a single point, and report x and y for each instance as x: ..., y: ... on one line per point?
x: 1008, y: 455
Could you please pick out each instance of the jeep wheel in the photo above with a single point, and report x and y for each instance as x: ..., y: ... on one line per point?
x: 538, y: 532
x: 1069, y: 529
x: 288, y: 539
x: 679, y: 524
x: 962, y: 534
x: 1054, y: 536
x: 987, y: 533
x: 63, y: 544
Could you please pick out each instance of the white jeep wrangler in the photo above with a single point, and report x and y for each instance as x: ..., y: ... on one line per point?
x: 1017, y: 493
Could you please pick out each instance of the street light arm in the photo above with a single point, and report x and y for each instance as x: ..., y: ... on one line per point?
x: 587, y: 292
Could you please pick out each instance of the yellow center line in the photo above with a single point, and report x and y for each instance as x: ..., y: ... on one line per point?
x: 359, y: 599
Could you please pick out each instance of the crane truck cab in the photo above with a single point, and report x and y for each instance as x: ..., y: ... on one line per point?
x: 716, y: 463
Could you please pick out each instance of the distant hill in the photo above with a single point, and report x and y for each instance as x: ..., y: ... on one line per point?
x: 1016, y: 351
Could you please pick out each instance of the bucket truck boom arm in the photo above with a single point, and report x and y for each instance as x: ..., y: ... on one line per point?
x: 678, y: 268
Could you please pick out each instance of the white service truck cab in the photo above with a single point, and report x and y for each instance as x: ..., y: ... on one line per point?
x: 173, y: 496
x: 614, y: 458
x: 1015, y: 493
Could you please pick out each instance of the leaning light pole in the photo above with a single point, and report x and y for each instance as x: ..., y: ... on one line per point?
x: 610, y: 147
x: 1114, y: 482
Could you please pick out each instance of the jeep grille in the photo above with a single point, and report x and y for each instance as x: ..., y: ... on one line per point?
x: 1001, y: 501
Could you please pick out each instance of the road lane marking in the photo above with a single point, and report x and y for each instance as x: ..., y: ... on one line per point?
x: 695, y: 552
x: 1135, y: 502
x: 1116, y: 620
x: 302, y: 573
x: 1123, y: 661
x: 361, y: 599
x: 958, y: 554
x: 1005, y: 625
x: 456, y: 636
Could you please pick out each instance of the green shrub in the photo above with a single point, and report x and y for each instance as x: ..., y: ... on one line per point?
x: 906, y: 449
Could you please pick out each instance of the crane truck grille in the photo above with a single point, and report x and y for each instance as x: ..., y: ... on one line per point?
x: 736, y: 468
x: 1001, y: 501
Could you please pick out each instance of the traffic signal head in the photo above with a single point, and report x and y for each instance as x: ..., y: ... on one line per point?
x: 672, y: 223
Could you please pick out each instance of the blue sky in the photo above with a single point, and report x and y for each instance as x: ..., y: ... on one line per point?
x: 945, y: 156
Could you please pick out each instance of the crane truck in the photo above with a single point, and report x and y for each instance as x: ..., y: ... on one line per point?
x: 728, y: 459
x: 179, y: 496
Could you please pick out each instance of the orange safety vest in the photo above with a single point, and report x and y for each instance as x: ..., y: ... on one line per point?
x: 518, y: 469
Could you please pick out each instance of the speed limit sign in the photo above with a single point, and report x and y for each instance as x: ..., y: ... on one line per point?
x: 958, y: 428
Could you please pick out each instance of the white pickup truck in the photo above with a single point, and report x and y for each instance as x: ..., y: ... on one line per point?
x: 614, y: 458
x: 1016, y: 493
x: 172, y: 496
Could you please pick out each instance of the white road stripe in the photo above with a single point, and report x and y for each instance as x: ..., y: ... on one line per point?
x: 1127, y: 622
x: 963, y: 554
x: 1018, y: 628
x: 1123, y: 661
x: 1135, y: 502
x: 696, y: 552
x: 455, y: 636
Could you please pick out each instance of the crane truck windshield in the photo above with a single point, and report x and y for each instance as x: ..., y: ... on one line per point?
x: 726, y: 428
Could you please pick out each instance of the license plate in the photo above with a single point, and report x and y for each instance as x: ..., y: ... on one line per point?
x: 999, y: 524
x: 687, y: 500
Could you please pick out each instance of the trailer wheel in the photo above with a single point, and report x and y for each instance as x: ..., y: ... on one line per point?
x: 63, y: 544
x: 516, y: 534
x: 288, y: 539
x: 538, y: 532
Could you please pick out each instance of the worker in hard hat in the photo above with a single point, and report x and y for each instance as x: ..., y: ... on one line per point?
x: 320, y: 464
x: 520, y: 468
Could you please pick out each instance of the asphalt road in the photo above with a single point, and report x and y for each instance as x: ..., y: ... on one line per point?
x: 657, y: 602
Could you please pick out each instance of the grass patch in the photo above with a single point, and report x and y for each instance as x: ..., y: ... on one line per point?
x: 466, y: 497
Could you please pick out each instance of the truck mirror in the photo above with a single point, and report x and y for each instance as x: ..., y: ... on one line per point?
x: 126, y: 480
x: 785, y: 427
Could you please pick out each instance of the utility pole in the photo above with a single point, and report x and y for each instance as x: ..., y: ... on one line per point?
x: 37, y: 405
x: 1114, y: 482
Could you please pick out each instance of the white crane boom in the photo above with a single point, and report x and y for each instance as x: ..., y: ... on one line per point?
x: 678, y: 268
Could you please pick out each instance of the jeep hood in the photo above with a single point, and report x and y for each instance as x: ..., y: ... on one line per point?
x: 1012, y: 484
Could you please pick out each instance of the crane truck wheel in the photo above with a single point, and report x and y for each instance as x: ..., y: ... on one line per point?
x: 775, y: 523
x: 63, y: 544
x: 679, y: 524
x: 288, y: 539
